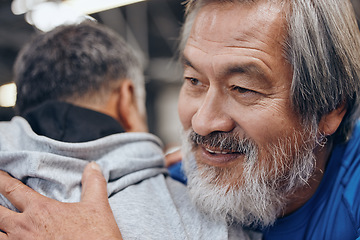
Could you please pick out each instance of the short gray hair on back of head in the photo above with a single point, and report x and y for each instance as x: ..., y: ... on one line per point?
x: 82, y: 62
x: 324, y: 50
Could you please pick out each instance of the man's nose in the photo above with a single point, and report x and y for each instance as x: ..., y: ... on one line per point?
x: 212, y: 115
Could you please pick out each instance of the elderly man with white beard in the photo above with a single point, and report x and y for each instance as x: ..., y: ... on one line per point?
x: 269, y: 107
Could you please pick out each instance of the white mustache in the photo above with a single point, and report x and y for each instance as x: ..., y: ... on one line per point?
x: 219, y: 142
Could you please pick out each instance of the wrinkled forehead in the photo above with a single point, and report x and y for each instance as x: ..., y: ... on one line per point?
x: 194, y: 6
x: 252, y: 18
x: 231, y: 23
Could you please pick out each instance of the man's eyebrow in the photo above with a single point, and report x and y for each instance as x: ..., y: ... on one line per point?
x: 250, y: 69
x: 186, y: 62
x: 255, y: 72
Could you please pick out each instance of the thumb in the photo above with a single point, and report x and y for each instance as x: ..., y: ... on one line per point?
x: 94, y: 185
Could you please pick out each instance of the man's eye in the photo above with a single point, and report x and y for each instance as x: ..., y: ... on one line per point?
x: 242, y: 90
x: 193, y: 81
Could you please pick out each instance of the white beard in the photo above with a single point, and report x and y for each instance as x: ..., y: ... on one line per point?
x: 260, y: 194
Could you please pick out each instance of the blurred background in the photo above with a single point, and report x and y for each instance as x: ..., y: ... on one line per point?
x: 151, y: 26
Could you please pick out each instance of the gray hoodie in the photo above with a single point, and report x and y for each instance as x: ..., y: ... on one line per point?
x: 147, y: 204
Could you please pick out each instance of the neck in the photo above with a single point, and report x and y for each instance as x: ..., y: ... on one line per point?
x: 303, y: 194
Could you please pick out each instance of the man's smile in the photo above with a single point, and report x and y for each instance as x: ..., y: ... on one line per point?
x: 218, y: 152
x: 217, y: 157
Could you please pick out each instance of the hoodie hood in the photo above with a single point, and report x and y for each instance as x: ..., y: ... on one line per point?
x: 55, y: 168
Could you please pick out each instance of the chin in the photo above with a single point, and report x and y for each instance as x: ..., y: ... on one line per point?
x: 249, y: 192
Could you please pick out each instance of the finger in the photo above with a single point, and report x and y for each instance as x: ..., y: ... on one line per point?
x: 94, y: 191
x: 16, y: 192
x: 94, y: 186
x: 173, y: 158
x: 3, y: 236
x: 7, y: 219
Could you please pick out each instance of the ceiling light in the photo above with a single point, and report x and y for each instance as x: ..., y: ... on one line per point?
x: 8, y: 95
x: 19, y: 7
x: 93, y: 6
x: 48, y: 14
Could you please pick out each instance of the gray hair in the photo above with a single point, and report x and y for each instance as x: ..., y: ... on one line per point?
x: 323, y: 48
x: 82, y: 62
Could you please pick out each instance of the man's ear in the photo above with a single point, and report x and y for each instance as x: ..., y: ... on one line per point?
x: 330, y: 122
x: 128, y: 113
